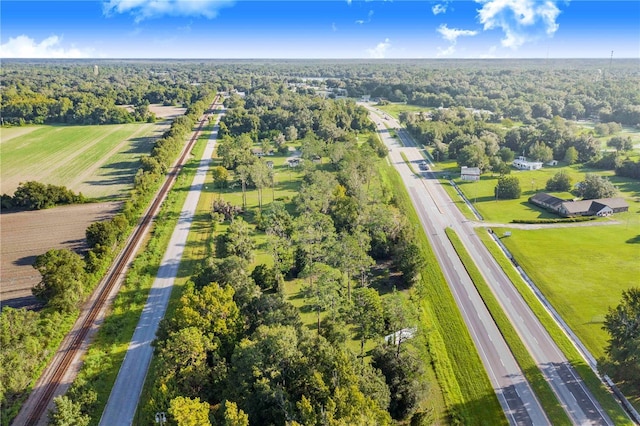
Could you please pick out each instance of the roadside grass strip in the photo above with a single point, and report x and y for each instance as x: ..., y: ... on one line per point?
x: 592, y: 381
x: 536, y: 379
x: 106, y: 353
x: 406, y: 160
x: 468, y: 393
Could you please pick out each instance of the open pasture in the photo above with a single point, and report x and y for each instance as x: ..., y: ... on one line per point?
x: 99, y: 161
x: 26, y: 235
x: 582, y: 270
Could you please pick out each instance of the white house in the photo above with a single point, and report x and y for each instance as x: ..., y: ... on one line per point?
x: 522, y: 164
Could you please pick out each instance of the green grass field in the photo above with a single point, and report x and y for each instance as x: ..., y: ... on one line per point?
x: 581, y: 270
x: 395, y: 109
x: 596, y: 262
x: 99, y: 161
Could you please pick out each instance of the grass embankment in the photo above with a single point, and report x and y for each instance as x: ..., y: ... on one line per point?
x: 99, y: 161
x: 468, y: 393
x: 104, y: 357
x: 560, y: 338
x: 538, y: 383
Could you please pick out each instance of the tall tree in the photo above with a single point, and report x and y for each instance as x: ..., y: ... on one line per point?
x: 260, y: 176
x: 189, y: 412
x: 237, y: 241
x: 561, y: 181
x: 351, y: 256
x: 508, y: 188
x: 623, y: 325
x: 234, y: 416
x: 63, y: 278
x: 220, y: 176
x: 322, y: 288
x: 243, y: 173
x: 367, y: 314
x: 594, y: 186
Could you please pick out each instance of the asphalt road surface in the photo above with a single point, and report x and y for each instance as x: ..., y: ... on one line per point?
x: 123, y: 400
x: 437, y: 211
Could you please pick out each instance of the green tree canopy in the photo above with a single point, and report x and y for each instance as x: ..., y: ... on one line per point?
x: 623, y: 325
x: 237, y: 241
x: 561, y: 181
x: 508, y: 188
x: 595, y: 186
x: 189, y: 412
x: 63, y: 278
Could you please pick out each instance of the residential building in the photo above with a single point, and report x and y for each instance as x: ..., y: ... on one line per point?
x: 569, y: 208
x: 523, y: 164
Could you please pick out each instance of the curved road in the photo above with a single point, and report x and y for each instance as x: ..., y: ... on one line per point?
x: 123, y: 400
x: 429, y: 196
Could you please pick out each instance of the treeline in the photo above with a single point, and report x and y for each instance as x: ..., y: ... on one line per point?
x: 73, y: 94
x: 474, y: 141
x: 34, y: 195
x: 522, y: 90
x: 27, y: 339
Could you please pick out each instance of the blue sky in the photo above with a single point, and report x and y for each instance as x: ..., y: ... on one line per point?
x: 320, y: 29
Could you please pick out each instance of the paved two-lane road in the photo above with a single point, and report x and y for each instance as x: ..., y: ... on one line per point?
x: 123, y: 400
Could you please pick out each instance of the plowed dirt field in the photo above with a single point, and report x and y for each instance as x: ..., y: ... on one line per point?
x: 25, y: 235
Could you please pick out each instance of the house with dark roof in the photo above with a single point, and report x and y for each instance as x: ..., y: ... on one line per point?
x: 598, y: 207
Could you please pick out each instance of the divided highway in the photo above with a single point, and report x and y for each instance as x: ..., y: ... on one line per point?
x: 437, y: 212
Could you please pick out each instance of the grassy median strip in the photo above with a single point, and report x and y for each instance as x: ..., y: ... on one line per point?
x: 543, y: 391
x: 469, y: 396
x: 592, y: 381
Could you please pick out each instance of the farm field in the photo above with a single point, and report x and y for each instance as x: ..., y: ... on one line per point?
x: 582, y: 270
x: 26, y: 235
x: 99, y: 161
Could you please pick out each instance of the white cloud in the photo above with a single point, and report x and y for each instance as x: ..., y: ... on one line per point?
x: 452, y: 34
x: 334, y: 28
x: 369, y: 16
x: 520, y: 20
x: 380, y: 50
x: 446, y: 52
x: 26, y: 47
x: 439, y: 8
x: 148, y: 9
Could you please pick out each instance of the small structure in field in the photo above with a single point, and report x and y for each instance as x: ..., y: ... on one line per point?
x: 257, y: 152
x: 569, y: 208
x: 293, y: 162
x: 470, y: 173
x: 401, y: 335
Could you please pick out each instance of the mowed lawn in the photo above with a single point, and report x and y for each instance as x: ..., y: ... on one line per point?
x: 99, y: 161
x: 394, y: 109
x: 583, y: 269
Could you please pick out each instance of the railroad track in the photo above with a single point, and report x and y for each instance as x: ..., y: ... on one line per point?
x: 54, y: 375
